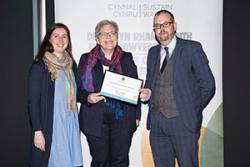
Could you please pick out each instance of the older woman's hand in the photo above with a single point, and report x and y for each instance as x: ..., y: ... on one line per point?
x: 95, y: 98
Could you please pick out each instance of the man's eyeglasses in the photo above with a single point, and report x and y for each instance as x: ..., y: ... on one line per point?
x: 164, y: 25
x: 107, y: 34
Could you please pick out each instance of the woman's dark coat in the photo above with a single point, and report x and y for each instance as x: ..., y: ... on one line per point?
x: 91, y: 116
x: 41, y: 108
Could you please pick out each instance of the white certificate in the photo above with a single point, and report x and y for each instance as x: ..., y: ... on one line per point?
x: 121, y: 87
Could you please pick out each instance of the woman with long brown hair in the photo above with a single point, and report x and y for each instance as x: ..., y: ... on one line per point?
x: 52, y: 103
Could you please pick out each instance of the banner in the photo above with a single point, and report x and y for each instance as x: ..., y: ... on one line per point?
x: 196, y: 20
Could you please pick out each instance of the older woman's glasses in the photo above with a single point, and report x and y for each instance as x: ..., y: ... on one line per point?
x: 163, y: 25
x: 107, y: 34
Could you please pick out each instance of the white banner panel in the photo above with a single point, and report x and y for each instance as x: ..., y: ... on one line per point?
x: 196, y: 19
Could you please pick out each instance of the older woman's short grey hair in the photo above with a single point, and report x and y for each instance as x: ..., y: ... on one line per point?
x: 103, y: 23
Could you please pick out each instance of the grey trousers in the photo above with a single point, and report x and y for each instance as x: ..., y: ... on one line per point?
x: 170, y: 139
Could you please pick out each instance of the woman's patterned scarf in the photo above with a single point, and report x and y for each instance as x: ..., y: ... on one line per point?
x: 65, y: 63
x: 113, y: 64
x: 97, y: 54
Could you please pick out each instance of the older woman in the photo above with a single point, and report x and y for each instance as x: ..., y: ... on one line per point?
x: 52, y: 103
x: 108, y: 124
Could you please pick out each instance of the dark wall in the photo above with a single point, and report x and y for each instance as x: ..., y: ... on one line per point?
x: 50, y: 13
x: 236, y: 83
x: 16, y: 57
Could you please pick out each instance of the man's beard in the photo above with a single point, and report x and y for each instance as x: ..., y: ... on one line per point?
x: 166, y: 37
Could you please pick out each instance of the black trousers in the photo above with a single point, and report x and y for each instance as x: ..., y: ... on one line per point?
x: 111, y: 149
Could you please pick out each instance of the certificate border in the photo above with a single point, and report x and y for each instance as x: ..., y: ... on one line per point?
x: 120, y: 99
